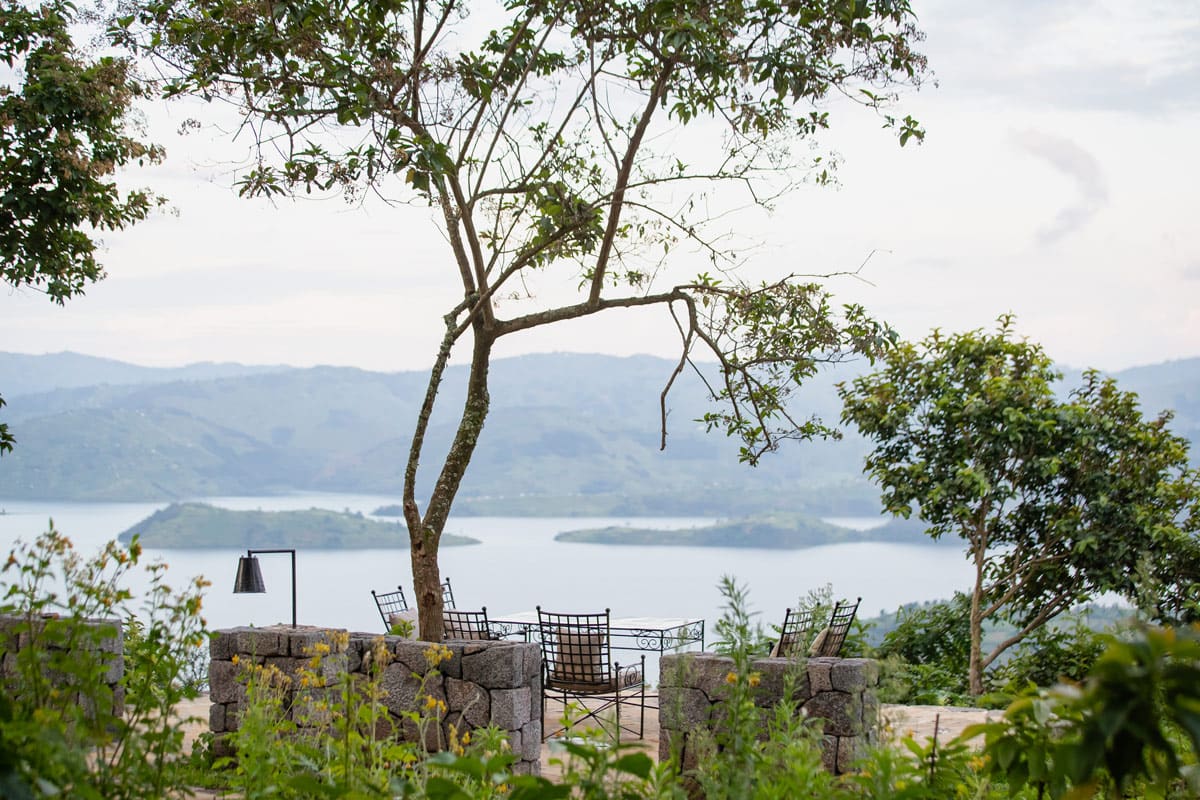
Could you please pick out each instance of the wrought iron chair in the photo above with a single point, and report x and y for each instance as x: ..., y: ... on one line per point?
x: 796, y: 633
x: 577, y: 665
x: 796, y: 637
x: 469, y: 625
x: 390, y: 604
x: 447, y: 594
x: 829, y: 641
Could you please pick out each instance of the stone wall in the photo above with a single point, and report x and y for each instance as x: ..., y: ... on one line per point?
x: 841, y: 691
x: 104, y: 637
x: 481, y: 683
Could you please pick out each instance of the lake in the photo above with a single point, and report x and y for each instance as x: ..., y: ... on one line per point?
x: 517, y: 566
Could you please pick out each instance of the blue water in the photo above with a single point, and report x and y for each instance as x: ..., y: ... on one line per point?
x: 517, y: 566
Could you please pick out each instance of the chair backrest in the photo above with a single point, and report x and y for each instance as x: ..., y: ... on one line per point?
x: 390, y: 603
x: 471, y: 625
x: 576, y: 650
x: 839, y: 625
x: 796, y: 632
x: 447, y: 594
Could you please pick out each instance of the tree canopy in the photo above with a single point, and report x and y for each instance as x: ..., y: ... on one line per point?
x: 606, y: 140
x: 65, y: 129
x: 1058, y: 498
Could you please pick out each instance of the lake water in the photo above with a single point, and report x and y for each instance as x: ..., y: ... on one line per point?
x: 517, y: 566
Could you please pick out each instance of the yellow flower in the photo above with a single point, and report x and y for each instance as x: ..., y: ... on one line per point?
x: 234, y: 659
x: 755, y: 679
x: 731, y: 678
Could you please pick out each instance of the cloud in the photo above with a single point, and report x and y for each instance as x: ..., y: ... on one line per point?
x: 1106, y: 55
x: 1191, y: 272
x: 1077, y: 164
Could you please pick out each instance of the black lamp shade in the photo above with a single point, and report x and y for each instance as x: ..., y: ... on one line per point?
x: 249, y: 577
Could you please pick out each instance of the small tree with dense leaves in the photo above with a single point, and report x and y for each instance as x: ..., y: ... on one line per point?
x: 1058, y: 499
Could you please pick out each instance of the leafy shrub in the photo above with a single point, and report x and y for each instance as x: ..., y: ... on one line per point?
x: 925, y: 657
x: 1051, y: 654
x: 1133, y: 727
x: 64, y: 731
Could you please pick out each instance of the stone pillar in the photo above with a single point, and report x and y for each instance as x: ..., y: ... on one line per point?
x: 102, y: 639
x: 840, y: 691
x: 481, y: 683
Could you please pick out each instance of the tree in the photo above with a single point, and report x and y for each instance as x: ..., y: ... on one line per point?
x: 65, y: 128
x: 583, y: 135
x: 1057, y: 499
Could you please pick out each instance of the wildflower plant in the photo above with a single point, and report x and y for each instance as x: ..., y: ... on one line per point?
x: 81, y: 719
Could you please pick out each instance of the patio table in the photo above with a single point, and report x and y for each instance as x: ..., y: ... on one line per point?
x: 653, y: 634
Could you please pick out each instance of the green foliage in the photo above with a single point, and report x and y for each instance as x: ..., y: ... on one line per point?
x: 925, y: 656
x: 202, y: 525
x: 64, y: 731
x: 1058, y: 500
x: 65, y: 132
x: 1133, y: 726
x: 1052, y: 654
x: 6, y: 438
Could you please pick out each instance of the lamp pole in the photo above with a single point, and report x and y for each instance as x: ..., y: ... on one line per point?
x: 292, y: 553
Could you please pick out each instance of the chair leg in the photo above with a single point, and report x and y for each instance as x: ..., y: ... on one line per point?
x: 618, y: 720
x: 642, y: 709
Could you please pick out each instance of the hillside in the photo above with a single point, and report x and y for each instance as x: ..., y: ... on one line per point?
x: 197, y: 525
x: 780, y: 532
x: 569, y: 434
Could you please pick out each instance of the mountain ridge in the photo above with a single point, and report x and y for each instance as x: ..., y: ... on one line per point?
x: 578, y: 433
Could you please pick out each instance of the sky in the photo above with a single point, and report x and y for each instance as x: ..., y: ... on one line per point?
x: 1059, y: 180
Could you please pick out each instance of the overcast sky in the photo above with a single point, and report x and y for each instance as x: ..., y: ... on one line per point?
x: 1060, y: 180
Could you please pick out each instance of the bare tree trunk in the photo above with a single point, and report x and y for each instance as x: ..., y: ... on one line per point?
x: 975, y: 665
x: 425, y: 538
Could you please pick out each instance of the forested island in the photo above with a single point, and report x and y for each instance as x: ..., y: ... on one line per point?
x: 198, y: 525
x: 777, y: 532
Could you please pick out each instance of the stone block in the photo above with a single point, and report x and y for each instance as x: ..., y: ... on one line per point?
x: 820, y: 678
x: 709, y: 674
x: 224, y: 682
x: 531, y: 663
x: 310, y: 707
x: 683, y: 709
x: 302, y: 642
x: 674, y: 669
x: 216, y: 717
x: 849, y: 750
x: 853, y: 674
x: 531, y: 741
x: 841, y: 712
x: 775, y: 674
x: 500, y: 665
x: 410, y: 655
x: 510, y: 708
x: 262, y: 642
x: 829, y: 753
x: 115, y: 668
x: 471, y: 700
x: 222, y: 645
x: 222, y: 748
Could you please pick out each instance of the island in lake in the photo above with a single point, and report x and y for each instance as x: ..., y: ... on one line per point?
x: 778, y: 532
x: 198, y: 525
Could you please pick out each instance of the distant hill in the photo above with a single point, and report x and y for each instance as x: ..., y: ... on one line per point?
x: 789, y: 532
x: 29, y: 374
x: 569, y: 434
x: 197, y: 525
